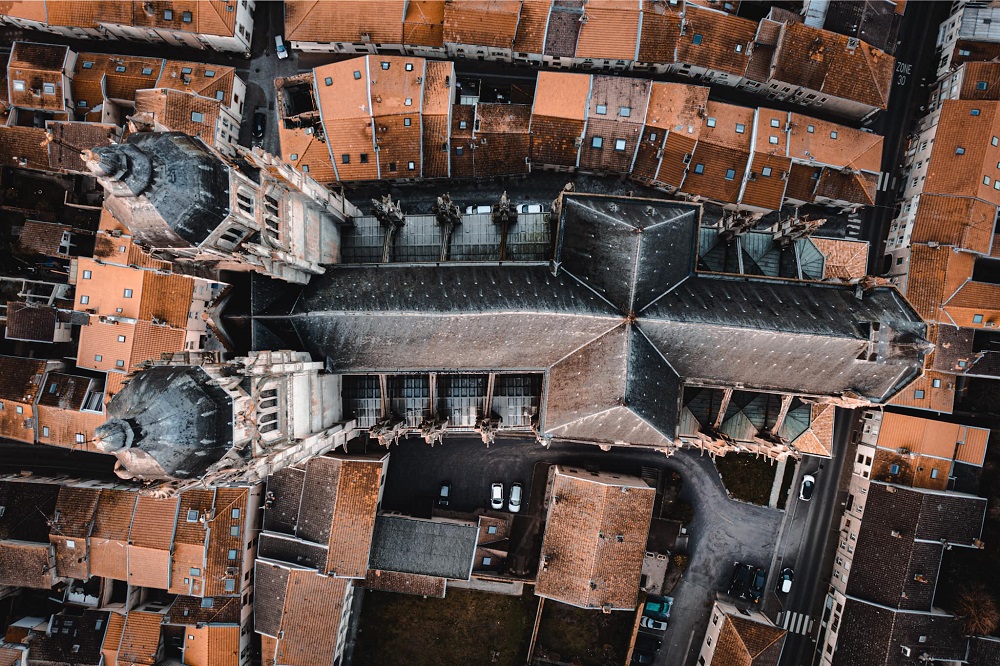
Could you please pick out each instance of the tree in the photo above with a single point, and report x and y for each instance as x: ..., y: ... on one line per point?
x: 978, y: 609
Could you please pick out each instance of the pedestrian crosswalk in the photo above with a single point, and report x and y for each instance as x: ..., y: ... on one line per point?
x: 854, y: 223
x: 796, y: 623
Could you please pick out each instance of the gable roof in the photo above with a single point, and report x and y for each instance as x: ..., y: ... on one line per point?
x: 746, y: 642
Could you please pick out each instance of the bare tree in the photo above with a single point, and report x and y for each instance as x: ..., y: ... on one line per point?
x: 978, y: 609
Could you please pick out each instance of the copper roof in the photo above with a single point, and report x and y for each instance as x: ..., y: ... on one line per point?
x: 490, y: 23
x: 962, y: 222
x: 825, y: 62
x: 344, y: 21
x: 595, y: 539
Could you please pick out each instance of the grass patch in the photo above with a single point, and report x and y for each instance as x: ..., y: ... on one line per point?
x: 585, y: 637
x: 786, y: 482
x: 747, y: 477
x: 466, y: 627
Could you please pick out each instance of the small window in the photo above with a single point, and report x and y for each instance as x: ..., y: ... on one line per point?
x: 773, y: 140
x: 710, y: 122
x: 730, y: 174
x: 210, y: 73
x: 364, y: 158
x: 936, y: 383
x: 232, y: 554
x: 186, y: 70
x: 128, y: 293
x: 345, y: 159
x: 462, y: 124
x: 89, y: 64
x: 918, y: 394
x: 487, y: 561
x: 894, y: 469
x: 18, y: 86
x: 49, y: 88
x: 977, y: 319
x: 121, y: 69
x: 775, y: 122
x: 186, y: 17
x: 740, y: 128
x: 458, y: 150
x: 45, y: 431
x: 197, y: 116
x: 833, y: 134
x: 934, y: 475
x: 625, y: 111
x: 71, y: 543
x: 597, y: 142
x: 328, y: 80
x: 168, y: 15
x: 811, y: 129
x: 80, y: 439
x: 409, y: 67
x: 385, y: 65
x: 230, y: 585
x: 235, y: 514
x: 146, y: 71
x: 652, y: 136
x: 293, y: 156
x: 407, y: 122
x: 392, y: 166
x: 82, y: 103
x: 766, y: 172
x: 696, y: 39
x: 121, y: 338
x: 119, y: 363
x: 980, y: 85
x: 602, y: 109
x: 195, y: 571
x: 959, y: 150
x: 84, y: 300
x: 699, y: 168
x: 995, y: 141
x: 986, y: 180
x: 234, y: 531
x: 619, y: 144
x: 192, y: 516
x: 492, y: 529
x: 408, y: 101
x: 357, y: 75
x: 86, y: 275
x: 411, y: 165
x: 98, y: 358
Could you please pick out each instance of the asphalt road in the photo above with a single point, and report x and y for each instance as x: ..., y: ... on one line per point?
x: 916, y: 63
x: 812, y: 570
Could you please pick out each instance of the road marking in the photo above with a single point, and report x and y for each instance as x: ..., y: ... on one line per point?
x: 797, y: 623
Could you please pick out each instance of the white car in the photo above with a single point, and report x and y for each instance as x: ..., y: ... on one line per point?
x: 496, y: 496
x: 529, y: 208
x: 650, y: 623
x: 806, y: 491
x: 514, y: 503
x: 279, y: 47
x: 478, y: 210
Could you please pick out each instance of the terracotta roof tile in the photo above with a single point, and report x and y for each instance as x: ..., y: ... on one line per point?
x: 404, y: 583
x: 423, y: 24
x: 20, y: 383
x: 268, y: 649
x: 530, y: 37
x: 595, y: 538
x: 311, y: 618
x: 661, y: 28
x: 140, y: 639
x: 766, y: 191
x: 189, y: 611
x: 963, y: 152
x: 823, y: 61
x: 802, y: 182
x: 175, y: 111
x: 230, y: 516
x: 745, y: 642
x: 31, y: 10
x: 151, y: 541
x: 716, y: 41
x: 936, y: 274
x: 207, y: 80
x: 490, y: 23
x: 463, y: 119
x: 36, y: 66
x: 910, y: 469
x: 610, y: 31
x: 69, y: 137
x: 846, y: 185
x: 817, y: 439
x: 353, y: 519
x: 343, y: 21
x: 561, y: 95
x: 109, y: 537
x: 166, y: 297
x: 677, y: 152
x: 975, y: 73
x: 75, y: 512
x: 922, y: 394
x: 845, y: 259
x: 830, y: 144
x: 42, y: 238
x: 24, y: 564
x: 623, y: 102
x: 305, y: 151
x: 723, y: 171
x: 974, y: 299
x: 503, y: 139
x: 24, y: 147
x: 113, y: 638
x: 928, y: 437
x: 959, y: 221
x: 64, y: 425
x: 10, y: 656
x: 31, y: 321
x: 152, y: 341
x: 209, y: 17
x: 564, y: 28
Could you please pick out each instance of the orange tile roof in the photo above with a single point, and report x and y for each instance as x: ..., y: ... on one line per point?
x: 207, y: 17
x: 353, y: 520
x: 936, y: 274
x: 745, y: 642
x: 42, y: 238
x: 175, y: 111
x: 677, y: 151
x: 152, y: 341
x: 344, y: 21
x: 771, y: 136
x: 733, y: 126
x: 31, y: 10
x: 490, y: 23
x: 975, y: 299
x: 108, y: 539
x: 140, y: 639
x: 105, y: 289
x: 34, y: 66
x: 975, y: 72
x: 20, y: 385
x: 595, y: 539
x: 910, y: 469
x: 963, y: 152
x: 723, y: 40
x: 718, y: 161
x: 207, y: 80
x: 766, y: 191
x: 531, y: 25
x: 68, y: 137
x: 221, y: 540
x: 423, y: 24
x: 661, y: 28
x: 856, y: 187
x: 405, y: 583
x: 822, y: 61
x: 268, y: 649
x: 676, y: 106
x: 845, y: 259
x: 65, y: 424
x: 212, y: 645
x: 938, y: 399
x: 346, y: 96
x: 833, y: 145
x: 151, y: 541
x: 561, y: 95
x: 305, y: 151
x: 928, y: 437
x: 959, y: 221
x: 438, y: 78
x: 610, y: 31
x: 166, y: 298
x: 113, y: 638
x: 24, y: 147
x: 817, y: 440
x: 310, y: 618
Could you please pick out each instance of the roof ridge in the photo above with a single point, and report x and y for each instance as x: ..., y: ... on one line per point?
x: 303, y: 14
x: 865, y: 47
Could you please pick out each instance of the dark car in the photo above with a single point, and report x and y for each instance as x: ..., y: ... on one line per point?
x: 445, y: 494
x: 645, y: 649
x: 740, y: 585
x: 757, y: 585
x: 259, y: 125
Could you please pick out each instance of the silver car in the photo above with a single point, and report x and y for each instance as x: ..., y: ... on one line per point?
x: 514, y: 503
x: 496, y: 496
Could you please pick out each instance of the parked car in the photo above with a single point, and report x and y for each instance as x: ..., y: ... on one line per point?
x: 445, y: 494
x: 658, y: 607
x: 259, y: 124
x: 740, y: 585
x: 529, y: 208
x: 514, y: 503
x: 496, y: 496
x: 472, y: 210
x: 279, y: 47
x: 645, y: 650
x: 785, y: 580
x: 650, y: 623
x: 806, y: 491
x: 757, y: 585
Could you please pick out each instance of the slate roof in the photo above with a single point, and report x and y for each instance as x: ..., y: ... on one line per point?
x: 424, y: 547
x: 872, y: 635
x: 73, y: 640
x: 30, y: 321
x: 618, y: 320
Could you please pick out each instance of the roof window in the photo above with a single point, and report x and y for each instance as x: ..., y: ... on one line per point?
x: 833, y: 134
x: 811, y: 129
x: 328, y: 81
x: 385, y: 65
x: 210, y: 73
x: 407, y: 122
x: 775, y: 122
x: 345, y: 159
x: 18, y: 86
x: 973, y: 112
x: 602, y: 109
x: 364, y: 158
x: 121, y: 69
x: 730, y: 174
x: 619, y: 144
x: 740, y: 128
x: 981, y: 85
x: 977, y: 319
x: 772, y: 140
x: 357, y: 75
x: 49, y: 88
x: 186, y: 17
x: 185, y: 70
x: 625, y: 111
x: 411, y: 166
x: 89, y: 64
x: 408, y: 101
x: 696, y: 39
x: 146, y: 71
x: 710, y: 122
x: 197, y: 116
x: 766, y: 172
x: 959, y: 150
x: 597, y: 142
x: 293, y: 156
x: 409, y: 67
x: 918, y: 394
x: 699, y: 168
